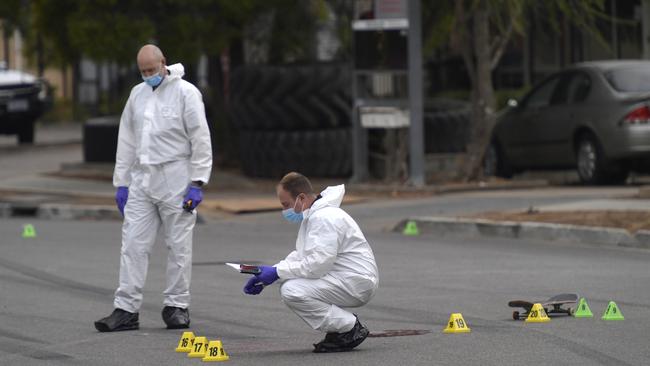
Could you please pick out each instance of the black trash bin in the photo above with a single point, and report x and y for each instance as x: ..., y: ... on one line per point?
x: 100, y: 139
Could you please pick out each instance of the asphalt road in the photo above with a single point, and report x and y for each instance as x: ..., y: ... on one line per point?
x: 54, y: 286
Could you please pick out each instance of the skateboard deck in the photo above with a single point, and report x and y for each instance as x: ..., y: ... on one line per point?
x: 556, y: 305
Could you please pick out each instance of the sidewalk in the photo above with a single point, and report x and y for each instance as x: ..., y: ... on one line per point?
x: 85, y: 192
x: 78, y: 191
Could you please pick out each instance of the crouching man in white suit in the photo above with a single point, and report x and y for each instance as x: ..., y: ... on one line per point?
x: 333, y: 266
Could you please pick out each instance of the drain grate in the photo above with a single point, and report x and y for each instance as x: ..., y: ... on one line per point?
x: 399, y: 333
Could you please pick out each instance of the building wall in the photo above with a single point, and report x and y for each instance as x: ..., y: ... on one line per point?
x: 15, y: 59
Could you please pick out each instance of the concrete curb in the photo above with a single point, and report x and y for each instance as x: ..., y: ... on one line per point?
x: 465, y: 227
x: 77, y: 212
x: 63, y: 211
x: 5, y: 210
x: 446, y: 188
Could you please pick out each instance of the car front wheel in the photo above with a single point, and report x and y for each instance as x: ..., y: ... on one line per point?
x: 592, y: 164
x: 26, y: 133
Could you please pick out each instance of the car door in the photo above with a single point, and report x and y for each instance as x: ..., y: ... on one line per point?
x: 555, y: 128
x: 520, y: 128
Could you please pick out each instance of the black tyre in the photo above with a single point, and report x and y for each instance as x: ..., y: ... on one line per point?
x: 446, y: 126
x: 297, y: 98
x: 319, y: 153
x: 26, y: 133
x: 592, y: 164
x: 495, y: 162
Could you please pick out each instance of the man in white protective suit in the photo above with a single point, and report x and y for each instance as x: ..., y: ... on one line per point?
x: 333, y: 266
x: 164, y: 157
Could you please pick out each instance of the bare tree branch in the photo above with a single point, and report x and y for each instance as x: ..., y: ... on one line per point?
x: 499, y: 47
x: 465, y: 44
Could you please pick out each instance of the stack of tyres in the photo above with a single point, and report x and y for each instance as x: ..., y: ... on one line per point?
x: 293, y: 118
x: 446, y: 126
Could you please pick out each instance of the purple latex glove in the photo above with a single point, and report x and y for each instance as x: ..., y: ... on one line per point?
x: 121, y: 196
x: 268, y: 275
x: 253, y: 286
x: 193, y: 197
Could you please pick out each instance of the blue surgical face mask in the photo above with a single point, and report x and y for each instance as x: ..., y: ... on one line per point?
x: 291, y: 215
x: 153, y: 80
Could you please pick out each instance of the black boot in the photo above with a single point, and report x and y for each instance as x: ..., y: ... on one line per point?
x: 118, y: 320
x: 342, y: 342
x: 176, y: 318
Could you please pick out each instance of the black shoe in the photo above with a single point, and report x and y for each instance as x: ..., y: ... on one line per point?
x: 118, y: 320
x: 342, y: 342
x: 176, y: 318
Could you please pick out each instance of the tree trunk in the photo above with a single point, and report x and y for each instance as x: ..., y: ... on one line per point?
x: 5, y: 38
x: 482, y: 96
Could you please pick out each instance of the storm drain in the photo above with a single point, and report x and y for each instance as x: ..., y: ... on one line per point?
x: 23, y: 211
x: 399, y: 333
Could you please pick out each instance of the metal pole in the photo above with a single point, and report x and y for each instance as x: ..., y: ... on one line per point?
x: 359, y: 134
x: 645, y: 24
x: 416, y: 131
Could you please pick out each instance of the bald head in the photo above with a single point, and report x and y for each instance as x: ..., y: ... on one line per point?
x: 150, y: 59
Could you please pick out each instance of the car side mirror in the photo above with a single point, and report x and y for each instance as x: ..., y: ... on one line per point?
x: 512, y: 103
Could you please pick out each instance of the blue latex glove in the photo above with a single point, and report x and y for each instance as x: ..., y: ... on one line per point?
x: 268, y: 275
x: 193, y: 197
x: 253, y: 286
x: 121, y: 196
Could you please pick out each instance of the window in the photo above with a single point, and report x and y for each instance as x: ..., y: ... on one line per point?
x: 630, y: 78
x: 541, y: 96
x: 579, y: 87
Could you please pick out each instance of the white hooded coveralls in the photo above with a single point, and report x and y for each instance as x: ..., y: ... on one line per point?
x: 333, y: 266
x: 163, y: 145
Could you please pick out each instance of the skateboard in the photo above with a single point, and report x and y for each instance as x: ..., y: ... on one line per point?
x: 553, y: 306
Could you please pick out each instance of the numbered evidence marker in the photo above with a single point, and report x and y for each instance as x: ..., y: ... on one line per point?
x: 612, y: 312
x: 199, y: 348
x: 456, y: 324
x: 583, y: 310
x: 215, y: 352
x: 186, y: 342
x: 29, y: 231
x: 537, y: 315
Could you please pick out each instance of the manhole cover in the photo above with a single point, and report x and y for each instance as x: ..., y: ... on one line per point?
x: 399, y: 333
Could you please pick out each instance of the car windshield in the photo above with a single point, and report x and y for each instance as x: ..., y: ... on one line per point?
x: 630, y: 78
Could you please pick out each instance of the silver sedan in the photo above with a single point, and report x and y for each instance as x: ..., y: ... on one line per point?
x: 594, y: 117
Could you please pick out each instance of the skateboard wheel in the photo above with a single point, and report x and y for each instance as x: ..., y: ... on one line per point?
x: 515, y: 315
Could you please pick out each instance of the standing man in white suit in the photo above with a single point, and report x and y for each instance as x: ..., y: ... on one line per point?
x: 164, y: 157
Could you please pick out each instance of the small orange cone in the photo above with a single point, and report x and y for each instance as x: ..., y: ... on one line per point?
x: 215, y: 352
x: 199, y: 348
x: 456, y: 324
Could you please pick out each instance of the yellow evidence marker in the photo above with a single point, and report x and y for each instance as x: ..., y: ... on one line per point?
x: 186, y: 342
x: 215, y: 352
x: 199, y: 348
x: 456, y: 324
x: 537, y: 315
